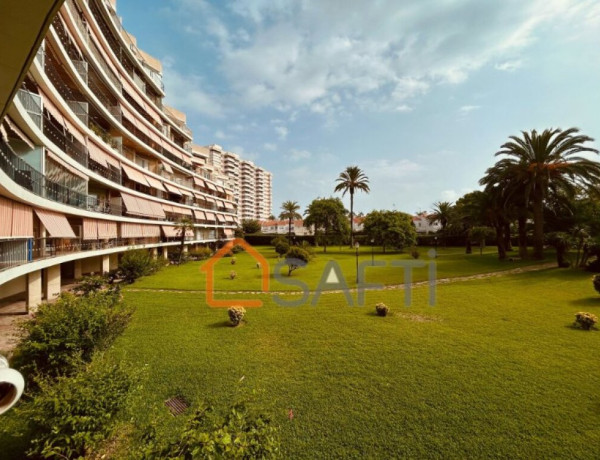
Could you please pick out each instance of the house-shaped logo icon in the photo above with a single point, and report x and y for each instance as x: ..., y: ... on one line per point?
x: 209, y: 266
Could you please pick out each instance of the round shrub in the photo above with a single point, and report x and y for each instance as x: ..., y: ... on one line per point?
x: 236, y: 315
x: 414, y: 253
x: 232, y: 274
x: 596, y: 281
x: 382, y: 309
x: 282, y: 247
x: 233, y: 260
x: 585, y: 320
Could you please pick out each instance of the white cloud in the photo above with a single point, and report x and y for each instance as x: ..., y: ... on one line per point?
x: 282, y: 132
x: 270, y: 147
x: 509, y: 66
x: 220, y: 135
x: 297, y: 155
x: 465, y: 109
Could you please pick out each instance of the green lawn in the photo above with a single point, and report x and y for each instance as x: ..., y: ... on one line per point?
x: 451, y: 262
x: 494, y: 370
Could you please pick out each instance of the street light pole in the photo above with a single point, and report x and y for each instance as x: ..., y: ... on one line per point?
x: 356, y: 245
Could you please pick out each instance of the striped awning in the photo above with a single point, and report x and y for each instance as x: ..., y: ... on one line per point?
x: 135, y: 175
x: 220, y: 189
x: 129, y: 230
x: 229, y: 205
x: 221, y: 219
x: 16, y: 219
x: 167, y: 167
x: 170, y: 231
x: 199, y: 182
x: 172, y: 189
x: 107, y: 229
x: 211, y: 186
x: 90, y: 229
x: 55, y: 223
x: 96, y: 153
x: 186, y: 193
x: 210, y: 216
x: 138, y: 206
x: 155, y: 183
x: 199, y: 215
x: 221, y: 203
x: 230, y: 219
x: 183, y: 211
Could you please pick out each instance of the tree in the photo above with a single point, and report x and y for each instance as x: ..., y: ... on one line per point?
x: 546, y: 162
x: 282, y: 247
x: 250, y: 226
x: 296, y: 258
x: 184, y: 227
x: 562, y: 242
x: 469, y: 212
x: 442, y: 213
x: 290, y: 212
x: 328, y: 217
x: 351, y: 180
x: 390, y: 228
x: 480, y: 234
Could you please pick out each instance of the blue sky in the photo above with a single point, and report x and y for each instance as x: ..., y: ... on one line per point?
x: 420, y: 95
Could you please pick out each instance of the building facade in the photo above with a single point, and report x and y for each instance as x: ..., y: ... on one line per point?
x: 92, y: 163
x: 281, y: 227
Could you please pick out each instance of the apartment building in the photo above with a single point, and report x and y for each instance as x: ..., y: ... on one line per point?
x: 92, y: 163
x: 251, y: 184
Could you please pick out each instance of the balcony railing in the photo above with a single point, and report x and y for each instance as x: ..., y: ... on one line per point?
x: 33, y: 180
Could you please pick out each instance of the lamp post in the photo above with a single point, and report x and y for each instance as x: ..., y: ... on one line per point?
x: 356, y: 246
x: 372, y: 253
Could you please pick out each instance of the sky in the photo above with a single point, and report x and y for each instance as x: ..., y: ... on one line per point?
x: 418, y: 94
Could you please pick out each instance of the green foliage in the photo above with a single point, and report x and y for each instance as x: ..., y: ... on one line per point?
x: 585, y: 320
x: 382, y: 309
x: 414, y: 253
x: 89, y: 284
x: 282, y: 247
x: 596, y: 283
x: 71, y: 415
x: 237, y: 249
x: 328, y: 218
x: 480, y: 234
x: 241, y: 434
x: 236, y: 315
x: 250, y: 226
x: 201, y: 253
x: 137, y: 263
x: 561, y: 241
x: 295, y: 258
x: 390, y: 228
x: 64, y: 333
x: 278, y: 239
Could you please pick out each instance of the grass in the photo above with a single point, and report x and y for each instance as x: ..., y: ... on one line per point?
x: 494, y: 370
x: 451, y: 262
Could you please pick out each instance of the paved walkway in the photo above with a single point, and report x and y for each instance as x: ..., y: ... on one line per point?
x: 479, y: 276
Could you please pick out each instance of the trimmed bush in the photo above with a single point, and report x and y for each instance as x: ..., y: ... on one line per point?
x: 414, y: 253
x: 382, y: 309
x: 236, y: 249
x: 89, y: 284
x: 236, y: 315
x: 596, y: 282
x: 233, y: 261
x: 296, y: 258
x: 241, y: 434
x: 201, y: 253
x: 232, y: 275
x: 137, y: 263
x: 67, y: 332
x: 585, y: 320
x: 71, y: 415
x: 282, y: 247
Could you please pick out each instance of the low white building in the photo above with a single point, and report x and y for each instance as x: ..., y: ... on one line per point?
x: 281, y: 227
x: 423, y: 226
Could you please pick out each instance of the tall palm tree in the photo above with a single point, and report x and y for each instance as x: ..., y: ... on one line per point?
x: 183, y: 227
x: 350, y: 180
x: 442, y: 212
x: 290, y: 212
x: 547, y: 162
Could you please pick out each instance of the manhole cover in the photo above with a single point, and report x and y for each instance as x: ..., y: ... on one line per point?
x: 177, y: 405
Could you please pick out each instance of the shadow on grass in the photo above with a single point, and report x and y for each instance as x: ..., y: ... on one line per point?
x: 219, y: 324
x: 586, y: 302
x: 574, y: 327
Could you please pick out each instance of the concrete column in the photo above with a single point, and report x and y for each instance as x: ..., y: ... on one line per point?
x: 34, y: 290
x: 105, y: 264
x: 77, y: 270
x: 154, y: 253
x: 114, y: 261
x: 165, y: 253
x: 52, y: 282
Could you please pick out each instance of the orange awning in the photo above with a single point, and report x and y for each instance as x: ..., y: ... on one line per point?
x: 172, y: 189
x: 56, y: 224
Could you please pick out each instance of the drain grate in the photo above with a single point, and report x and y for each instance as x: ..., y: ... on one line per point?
x: 177, y: 405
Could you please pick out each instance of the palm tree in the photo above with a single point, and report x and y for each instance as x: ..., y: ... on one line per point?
x: 290, y: 212
x: 442, y: 212
x: 547, y: 162
x: 183, y: 226
x: 351, y: 180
